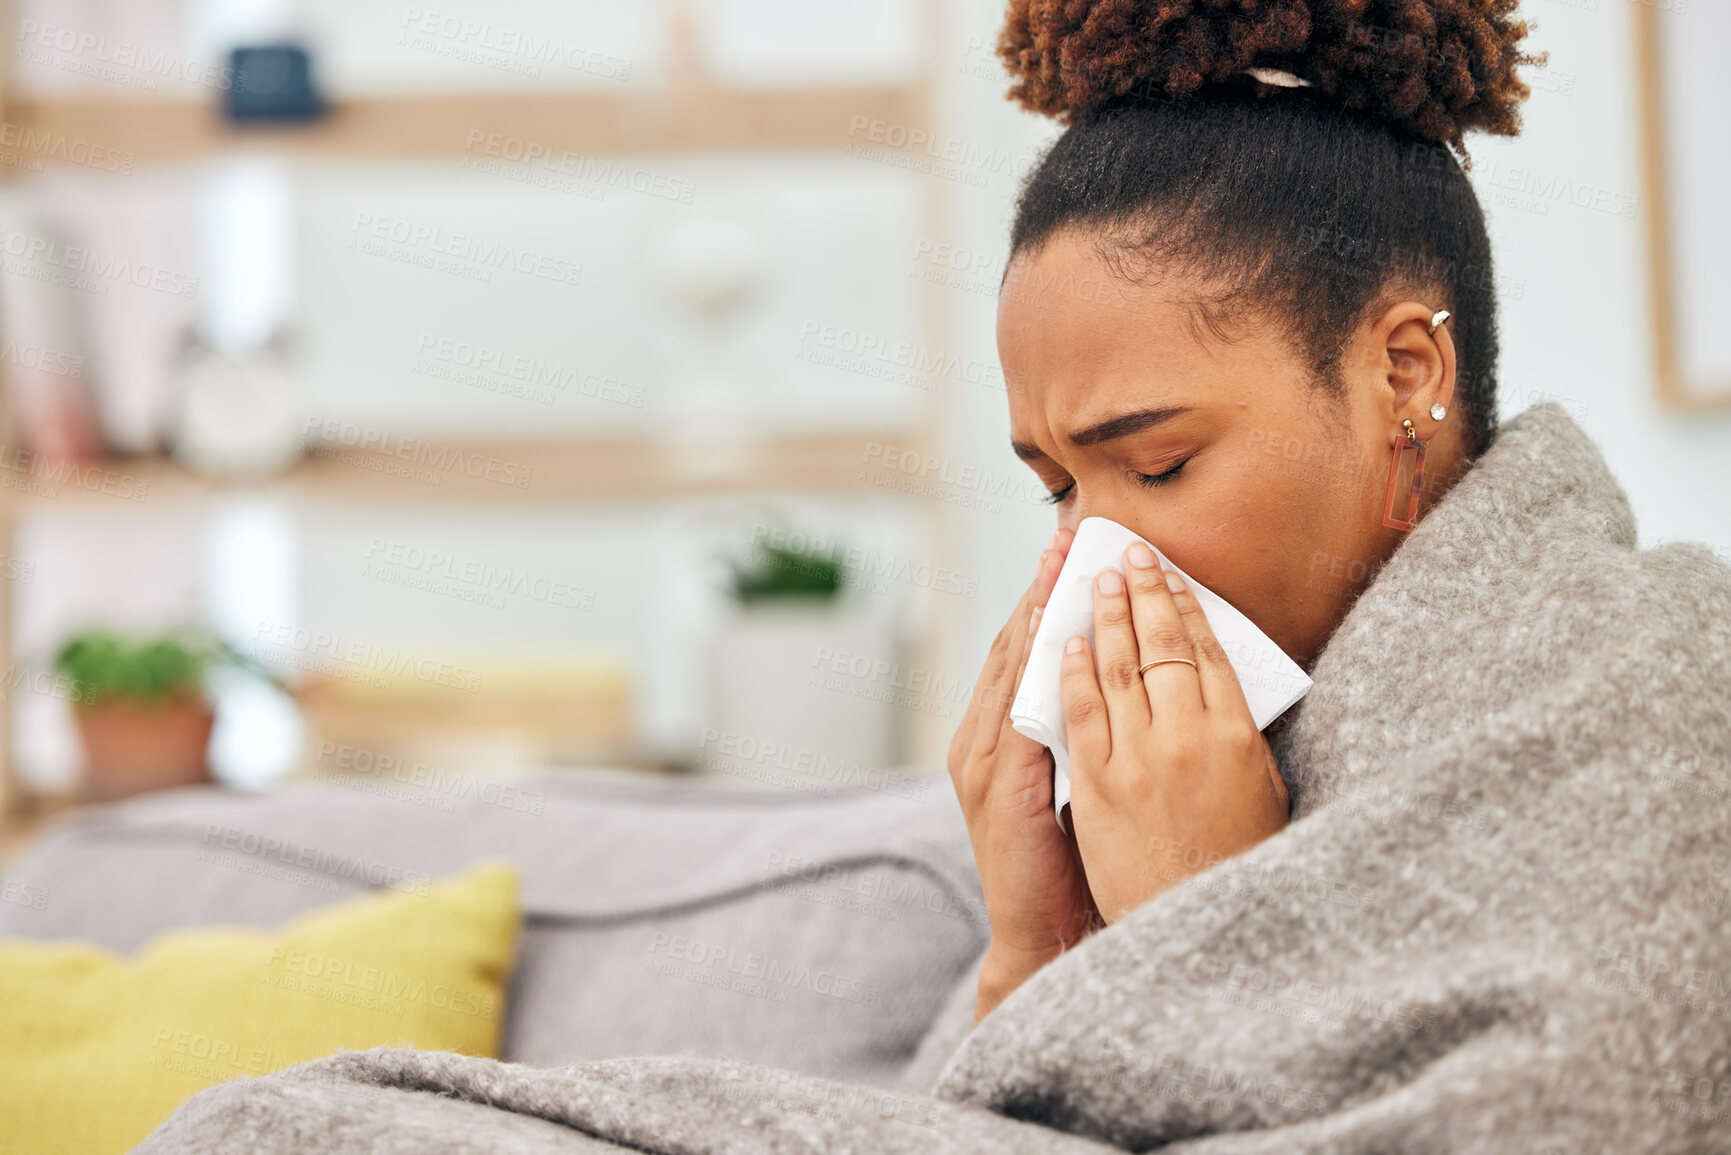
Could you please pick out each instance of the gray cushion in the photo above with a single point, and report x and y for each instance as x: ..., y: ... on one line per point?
x: 820, y: 935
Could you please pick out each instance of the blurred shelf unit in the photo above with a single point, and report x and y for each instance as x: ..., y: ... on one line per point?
x: 683, y: 116
x: 690, y: 118
x: 538, y: 710
x: 424, y: 470
x: 558, y: 713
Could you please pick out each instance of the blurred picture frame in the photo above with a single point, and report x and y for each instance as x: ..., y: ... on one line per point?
x: 1684, y: 177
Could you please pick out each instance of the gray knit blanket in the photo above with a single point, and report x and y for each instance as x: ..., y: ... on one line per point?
x: 1498, y: 921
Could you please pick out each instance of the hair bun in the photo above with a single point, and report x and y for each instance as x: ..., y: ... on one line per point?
x: 1433, y: 68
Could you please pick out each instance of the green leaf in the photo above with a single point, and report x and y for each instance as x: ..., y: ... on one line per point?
x: 782, y: 573
x: 103, y: 665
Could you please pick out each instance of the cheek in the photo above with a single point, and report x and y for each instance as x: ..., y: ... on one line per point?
x: 1324, y: 527
x: 1317, y: 476
x: 1264, y: 533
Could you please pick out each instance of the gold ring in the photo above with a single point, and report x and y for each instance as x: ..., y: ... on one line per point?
x: 1143, y: 672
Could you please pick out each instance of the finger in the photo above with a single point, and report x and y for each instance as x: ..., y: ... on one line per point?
x: 1051, y: 565
x: 1045, y: 578
x: 1062, y: 540
x: 1171, y: 688
x: 995, y: 699
x: 1277, y: 784
x: 1087, y: 731
x: 1028, y: 644
x: 1219, y: 682
x: 989, y: 672
x: 967, y: 736
x: 1115, y: 649
x: 1045, y: 581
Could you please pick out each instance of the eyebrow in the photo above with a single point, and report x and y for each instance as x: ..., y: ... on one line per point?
x: 1121, y: 426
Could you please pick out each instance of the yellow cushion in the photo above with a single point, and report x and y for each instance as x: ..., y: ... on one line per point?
x: 96, y: 1050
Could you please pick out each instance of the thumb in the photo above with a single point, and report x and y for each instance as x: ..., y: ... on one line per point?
x: 1276, y: 782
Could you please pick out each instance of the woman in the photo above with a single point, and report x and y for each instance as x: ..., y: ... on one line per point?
x: 1492, y: 918
x: 1287, y: 274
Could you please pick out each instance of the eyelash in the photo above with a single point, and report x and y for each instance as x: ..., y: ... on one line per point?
x: 1159, y: 479
x: 1151, y: 480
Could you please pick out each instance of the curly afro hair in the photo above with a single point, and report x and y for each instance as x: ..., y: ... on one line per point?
x: 1432, y: 68
x: 1307, y: 206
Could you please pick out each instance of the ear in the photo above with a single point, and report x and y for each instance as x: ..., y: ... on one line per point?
x: 1417, y: 367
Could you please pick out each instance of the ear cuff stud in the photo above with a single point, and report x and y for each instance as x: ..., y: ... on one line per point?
x: 1438, y: 410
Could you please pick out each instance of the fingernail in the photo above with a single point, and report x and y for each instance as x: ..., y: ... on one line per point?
x: 1034, y: 618
x: 1074, y: 644
x: 1040, y: 566
x: 1140, y: 555
x: 1110, y: 581
x: 1174, y: 582
x: 1054, y: 542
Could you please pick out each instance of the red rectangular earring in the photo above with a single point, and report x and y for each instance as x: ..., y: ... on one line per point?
x: 1417, y: 446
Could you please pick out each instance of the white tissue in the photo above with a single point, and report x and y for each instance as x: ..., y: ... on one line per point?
x: 1271, y: 680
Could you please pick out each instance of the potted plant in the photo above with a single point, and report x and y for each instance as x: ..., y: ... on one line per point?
x: 777, y: 573
x: 783, y: 609
x: 141, y: 707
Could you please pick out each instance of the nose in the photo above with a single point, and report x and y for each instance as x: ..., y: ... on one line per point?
x: 1091, y: 505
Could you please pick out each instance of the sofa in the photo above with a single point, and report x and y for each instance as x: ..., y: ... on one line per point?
x: 653, y: 908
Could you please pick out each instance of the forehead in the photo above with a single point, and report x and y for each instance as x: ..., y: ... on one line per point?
x: 1073, y: 332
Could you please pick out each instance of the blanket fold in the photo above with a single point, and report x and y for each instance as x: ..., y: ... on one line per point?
x: 1496, y: 923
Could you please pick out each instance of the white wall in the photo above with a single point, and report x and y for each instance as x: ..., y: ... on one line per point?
x: 1582, y: 329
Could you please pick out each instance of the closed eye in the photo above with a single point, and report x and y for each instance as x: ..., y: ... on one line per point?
x: 1153, y: 480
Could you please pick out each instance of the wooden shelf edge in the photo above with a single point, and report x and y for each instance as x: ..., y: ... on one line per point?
x: 535, y: 131
x: 402, y: 468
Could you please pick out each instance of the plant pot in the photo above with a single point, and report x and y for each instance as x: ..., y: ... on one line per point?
x: 769, y: 691
x: 131, y: 746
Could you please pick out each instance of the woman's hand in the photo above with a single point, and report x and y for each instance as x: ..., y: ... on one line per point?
x: 1030, y: 870
x: 1168, y: 773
